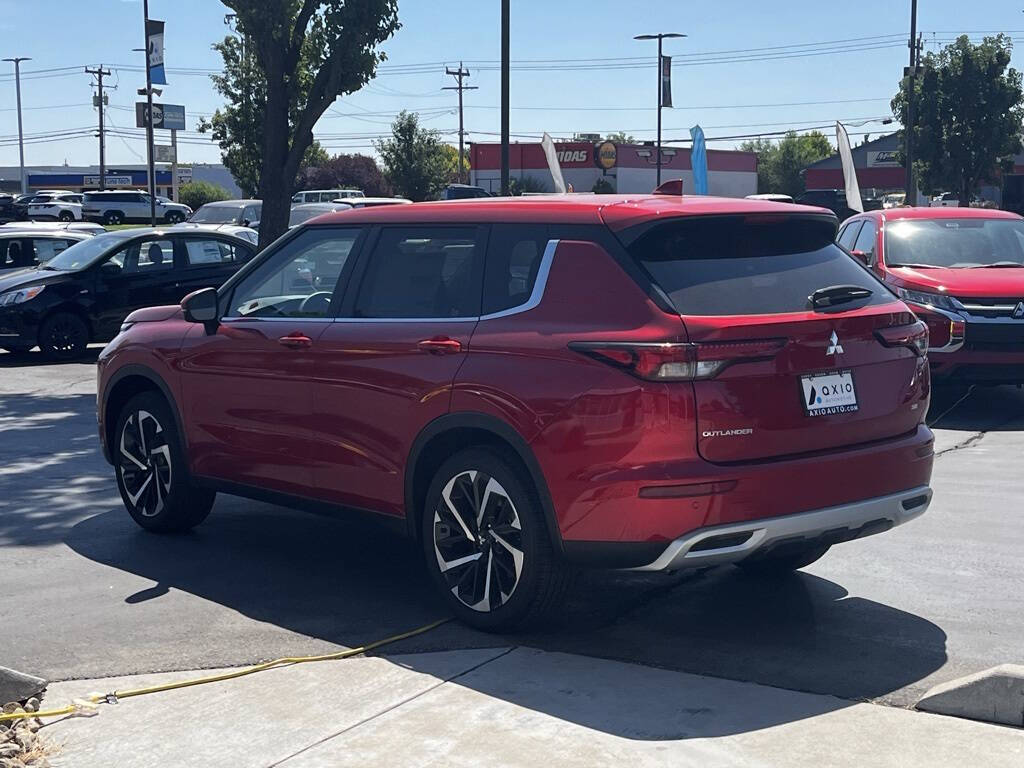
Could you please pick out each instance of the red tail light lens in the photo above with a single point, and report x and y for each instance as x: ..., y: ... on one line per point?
x: 913, y: 336
x: 677, y: 361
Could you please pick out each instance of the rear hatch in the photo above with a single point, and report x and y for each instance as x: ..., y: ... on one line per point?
x: 804, y: 350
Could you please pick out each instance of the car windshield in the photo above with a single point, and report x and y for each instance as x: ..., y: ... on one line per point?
x: 217, y: 214
x: 955, y: 242
x: 83, y: 254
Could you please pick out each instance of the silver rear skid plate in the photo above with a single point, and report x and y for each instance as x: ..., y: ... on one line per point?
x: 736, y: 541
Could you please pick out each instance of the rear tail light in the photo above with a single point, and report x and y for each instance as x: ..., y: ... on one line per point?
x: 677, y: 361
x: 913, y: 336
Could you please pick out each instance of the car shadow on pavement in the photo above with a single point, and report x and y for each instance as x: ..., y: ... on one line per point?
x: 977, y: 408
x: 349, y: 581
x: 36, y: 358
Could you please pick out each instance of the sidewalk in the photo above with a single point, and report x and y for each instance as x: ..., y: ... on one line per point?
x: 503, y: 707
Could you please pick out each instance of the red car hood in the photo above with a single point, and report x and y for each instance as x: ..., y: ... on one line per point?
x: 973, y: 283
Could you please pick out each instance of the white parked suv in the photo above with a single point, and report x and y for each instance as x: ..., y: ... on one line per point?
x: 64, y: 206
x: 324, y: 195
x: 127, y: 206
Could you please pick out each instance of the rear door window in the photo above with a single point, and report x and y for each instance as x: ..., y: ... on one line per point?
x: 514, y: 255
x: 200, y: 252
x: 736, y: 265
x: 866, y: 240
x: 45, y: 249
x: 423, y: 272
x: 849, y: 234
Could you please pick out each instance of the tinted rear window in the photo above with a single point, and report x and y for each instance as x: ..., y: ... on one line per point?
x: 734, y: 265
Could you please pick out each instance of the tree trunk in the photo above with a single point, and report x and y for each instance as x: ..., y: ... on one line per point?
x: 965, y: 193
x: 275, y: 187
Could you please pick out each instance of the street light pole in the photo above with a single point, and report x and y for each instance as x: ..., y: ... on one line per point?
x: 151, y: 171
x: 659, y: 37
x: 505, y: 14
x: 21, y: 136
x: 908, y: 129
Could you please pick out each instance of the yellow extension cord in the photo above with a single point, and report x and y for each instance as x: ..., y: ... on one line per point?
x: 98, y: 698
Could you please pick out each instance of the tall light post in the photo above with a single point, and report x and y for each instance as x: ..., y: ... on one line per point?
x: 21, y: 136
x: 505, y: 67
x: 659, y: 37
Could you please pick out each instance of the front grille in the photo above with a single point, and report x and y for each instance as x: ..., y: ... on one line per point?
x: 990, y: 307
x: 995, y: 336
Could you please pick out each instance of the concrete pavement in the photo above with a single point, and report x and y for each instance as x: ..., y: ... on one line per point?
x: 510, y: 706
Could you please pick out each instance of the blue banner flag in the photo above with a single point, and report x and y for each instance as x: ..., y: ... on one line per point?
x: 699, y: 161
x: 155, y: 51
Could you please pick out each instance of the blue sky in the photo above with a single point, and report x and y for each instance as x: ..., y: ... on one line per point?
x: 728, y: 99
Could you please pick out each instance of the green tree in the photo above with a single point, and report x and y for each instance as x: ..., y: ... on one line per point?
x: 346, y: 172
x: 969, y: 114
x: 603, y: 187
x: 526, y: 184
x: 199, y: 193
x: 620, y: 137
x: 451, y: 164
x: 780, y: 165
x: 415, y: 159
x: 294, y: 58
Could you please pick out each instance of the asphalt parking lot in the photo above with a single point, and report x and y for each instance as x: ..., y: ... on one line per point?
x: 85, y: 593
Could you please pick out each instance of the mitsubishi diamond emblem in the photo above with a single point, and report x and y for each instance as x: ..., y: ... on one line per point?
x: 1018, y: 311
x: 834, y: 347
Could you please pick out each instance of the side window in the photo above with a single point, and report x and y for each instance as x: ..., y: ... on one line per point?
x: 514, y: 254
x: 849, y: 235
x: 46, y: 249
x: 866, y: 240
x: 206, y: 252
x: 327, y: 197
x: 422, y: 273
x: 142, y: 258
x: 299, y: 280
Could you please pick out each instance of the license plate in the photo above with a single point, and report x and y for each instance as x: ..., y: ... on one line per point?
x: 826, y: 394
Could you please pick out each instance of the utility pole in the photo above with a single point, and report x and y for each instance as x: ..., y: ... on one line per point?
x: 908, y: 129
x: 100, y: 73
x: 21, y: 136
x: 659, y: 37
x: 505, y: 16
x: 149, y: 119
x: 458, y: 74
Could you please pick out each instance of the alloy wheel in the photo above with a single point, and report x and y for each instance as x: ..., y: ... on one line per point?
x: 144, y: 462
x: 478, y: 540
x: 65, y: 336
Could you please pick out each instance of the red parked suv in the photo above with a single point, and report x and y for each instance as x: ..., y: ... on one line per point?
x: 529, y: 385
x: 962, y: 271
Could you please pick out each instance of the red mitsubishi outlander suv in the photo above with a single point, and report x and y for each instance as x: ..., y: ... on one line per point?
x: 962, y: 271
x: 531, y: 385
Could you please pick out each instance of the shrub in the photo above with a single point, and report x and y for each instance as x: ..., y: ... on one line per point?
x: 199, y: 193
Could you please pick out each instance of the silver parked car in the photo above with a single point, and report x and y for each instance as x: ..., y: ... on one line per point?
x: 243, y: 213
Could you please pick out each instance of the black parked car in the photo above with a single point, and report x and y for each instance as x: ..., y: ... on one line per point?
x: 6, y: 207
x: 833, y: 199
x: 83, y: 294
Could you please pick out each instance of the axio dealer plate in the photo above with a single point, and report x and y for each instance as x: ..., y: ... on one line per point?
x: 826, y: 394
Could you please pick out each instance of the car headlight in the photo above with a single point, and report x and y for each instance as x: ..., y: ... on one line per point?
x: 20, y: 295
x: 939, y: 300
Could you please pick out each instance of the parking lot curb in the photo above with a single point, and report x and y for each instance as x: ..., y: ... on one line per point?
x: 17, y: 686
x: 993, y: 696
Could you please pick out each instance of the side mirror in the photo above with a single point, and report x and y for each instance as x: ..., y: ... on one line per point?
x: 201, y: 306
x: 863, y: 256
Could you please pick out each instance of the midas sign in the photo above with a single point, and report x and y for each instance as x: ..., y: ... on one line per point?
x: 572, y: 155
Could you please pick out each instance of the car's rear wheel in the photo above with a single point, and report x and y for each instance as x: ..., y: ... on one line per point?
x: 152, y: 475
x: 113, y: 218
x: 487, y: 545
x: 175, y: 217
x: 63, y: 336
x: 780, y: 564
x: 66, y: 216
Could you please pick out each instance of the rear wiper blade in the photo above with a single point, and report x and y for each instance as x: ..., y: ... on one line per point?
x: 823, y: 298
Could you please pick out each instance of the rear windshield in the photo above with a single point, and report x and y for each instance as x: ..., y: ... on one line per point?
x: 955, y: 242
x: 736, y: 265
x: 217, y: 214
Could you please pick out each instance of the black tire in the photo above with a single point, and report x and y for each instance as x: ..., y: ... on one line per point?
x: 63, y: 336
x: 774, y: 566
x: 536, y: 583
x: 66, y: 216
x: 152, y: 474
x: 113, y: 218
x: 16, y: 350
x: 174, y: 217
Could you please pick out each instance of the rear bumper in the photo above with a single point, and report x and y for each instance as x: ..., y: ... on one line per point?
x: 730, y: 543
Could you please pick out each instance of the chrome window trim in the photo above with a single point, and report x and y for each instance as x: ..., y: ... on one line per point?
x: 538, y: 287
x: 536, y: 295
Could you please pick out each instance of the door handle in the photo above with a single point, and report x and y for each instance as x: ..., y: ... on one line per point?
x: 440, y: 345
x: 296, y: 340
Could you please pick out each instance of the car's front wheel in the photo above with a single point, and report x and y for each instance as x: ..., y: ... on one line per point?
x: 151, y: 472
x: 175, y: 217
x: 487, y: 545
x: 63, y: 336
x: 113, y: 218
x: 66, y: 216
